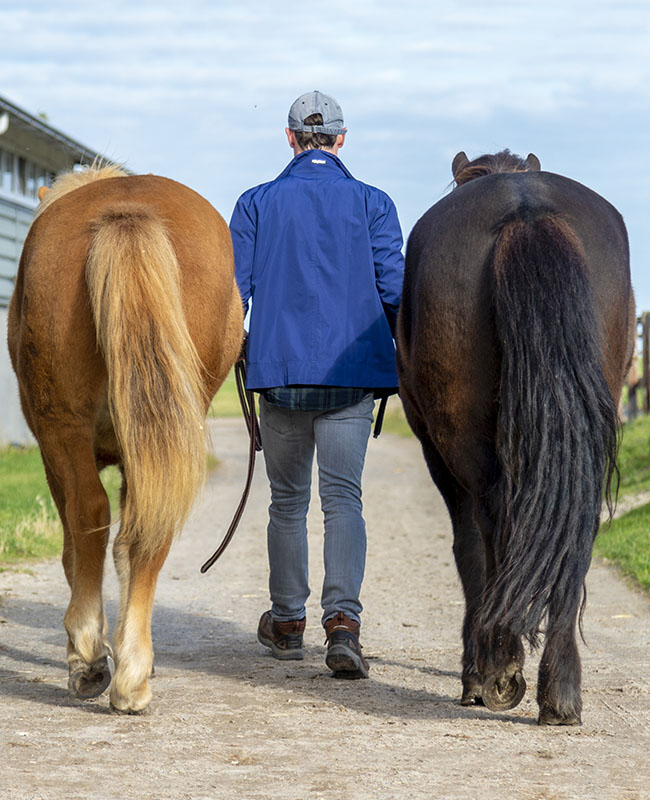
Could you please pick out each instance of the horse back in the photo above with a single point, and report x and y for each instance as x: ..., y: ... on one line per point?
x: 449, y: 249
x: 448, y: 348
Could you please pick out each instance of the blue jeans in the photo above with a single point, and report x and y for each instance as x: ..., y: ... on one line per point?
x: 340, y: 438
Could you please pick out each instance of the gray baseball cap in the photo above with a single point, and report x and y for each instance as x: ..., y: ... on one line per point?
x: 317, y: 103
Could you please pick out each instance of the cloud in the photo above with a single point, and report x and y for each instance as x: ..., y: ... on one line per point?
x: 467, y: 57
x: 200, y: 90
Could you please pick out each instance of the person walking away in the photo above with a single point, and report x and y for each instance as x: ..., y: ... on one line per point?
x: 319, y: 254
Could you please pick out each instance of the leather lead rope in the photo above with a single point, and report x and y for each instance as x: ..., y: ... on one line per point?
x: 380, y: 416
x: 247, y: 400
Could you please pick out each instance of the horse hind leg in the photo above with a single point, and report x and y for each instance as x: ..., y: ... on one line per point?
x: 138, y: 574
x: 558, y: 687
x: 67, y: 557
x: 500, y: 652
x: 85, y: 515
x: 469, y: 552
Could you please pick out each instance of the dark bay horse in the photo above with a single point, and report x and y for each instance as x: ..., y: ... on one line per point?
x: 515, y: 334
x: 124, y: 322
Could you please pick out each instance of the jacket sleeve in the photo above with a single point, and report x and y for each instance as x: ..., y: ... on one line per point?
x: 243, y: 226
x: 386, y: 241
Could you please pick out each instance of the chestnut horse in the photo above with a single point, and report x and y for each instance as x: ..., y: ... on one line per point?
x: 124, y: 322
x: 515, y: 334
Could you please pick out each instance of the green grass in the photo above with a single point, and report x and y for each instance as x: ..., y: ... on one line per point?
x: 634, y: 457
x: 627, y: 544
x: 30, y: 528
x: 226, y: 401
x: 395, y: 420
x: 29, y: 523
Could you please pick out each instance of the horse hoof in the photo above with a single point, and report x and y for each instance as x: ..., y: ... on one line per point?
x: 471, y: 693
x: 504, y: 694
x: 548, y: 716
x: 133, y: 712
x: 92, y: 680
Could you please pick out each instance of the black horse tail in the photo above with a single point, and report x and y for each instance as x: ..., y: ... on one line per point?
x: 557, y: 429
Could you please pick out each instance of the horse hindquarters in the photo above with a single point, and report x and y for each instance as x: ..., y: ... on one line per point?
x: 556, y: 443
x: 156, y: 400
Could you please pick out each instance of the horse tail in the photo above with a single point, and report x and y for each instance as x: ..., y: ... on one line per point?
x: 156, y: 392
x: 557, y: 429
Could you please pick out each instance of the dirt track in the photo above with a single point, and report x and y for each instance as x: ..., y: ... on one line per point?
x: 228, y: 721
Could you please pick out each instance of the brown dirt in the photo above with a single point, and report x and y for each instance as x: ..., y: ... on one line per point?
x: 228, y: 721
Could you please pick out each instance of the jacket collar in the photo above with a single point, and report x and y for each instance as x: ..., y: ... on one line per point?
x: 312, y: 162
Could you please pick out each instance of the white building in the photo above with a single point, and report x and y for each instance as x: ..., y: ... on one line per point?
x: 31, y: 154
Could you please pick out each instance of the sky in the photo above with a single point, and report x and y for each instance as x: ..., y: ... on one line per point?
x: 199, y: 90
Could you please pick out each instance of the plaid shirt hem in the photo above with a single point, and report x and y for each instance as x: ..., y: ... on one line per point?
x: 314, y: 398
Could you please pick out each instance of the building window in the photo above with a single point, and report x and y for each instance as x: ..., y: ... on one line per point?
x: 22, y: 176
x: 42, y: 178
x: 30, y: 179
x: 19, y: 176
x: 7, y: 171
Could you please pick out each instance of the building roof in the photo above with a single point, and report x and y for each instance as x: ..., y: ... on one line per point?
x: 42, y: 143
x: 31, y: 154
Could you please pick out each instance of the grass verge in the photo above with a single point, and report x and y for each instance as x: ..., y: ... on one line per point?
x: 29, y: 523
x: 626, y: 543
x: 634, y: 457
x: 30, y: 528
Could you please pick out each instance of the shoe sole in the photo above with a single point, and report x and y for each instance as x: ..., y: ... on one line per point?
x: 295, y: 654
x: 341, y: 659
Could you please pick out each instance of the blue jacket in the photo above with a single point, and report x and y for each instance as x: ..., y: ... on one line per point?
x: 320, y: 256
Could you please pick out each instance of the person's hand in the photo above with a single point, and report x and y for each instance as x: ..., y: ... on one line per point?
x: 244, y: 345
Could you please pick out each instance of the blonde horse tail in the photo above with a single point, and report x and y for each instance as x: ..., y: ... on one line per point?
x: 156, y: 391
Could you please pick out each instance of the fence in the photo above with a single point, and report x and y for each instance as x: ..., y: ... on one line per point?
x: 638, y: 380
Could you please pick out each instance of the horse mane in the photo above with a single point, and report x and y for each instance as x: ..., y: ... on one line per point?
x: 68, y: 181
x: 504, y: 161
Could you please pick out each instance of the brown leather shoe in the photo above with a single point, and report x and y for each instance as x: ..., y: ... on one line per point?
x: 344, y: 656
x: 283, y: 638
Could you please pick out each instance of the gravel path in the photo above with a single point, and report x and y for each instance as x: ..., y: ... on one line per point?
x: 228, y: 721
